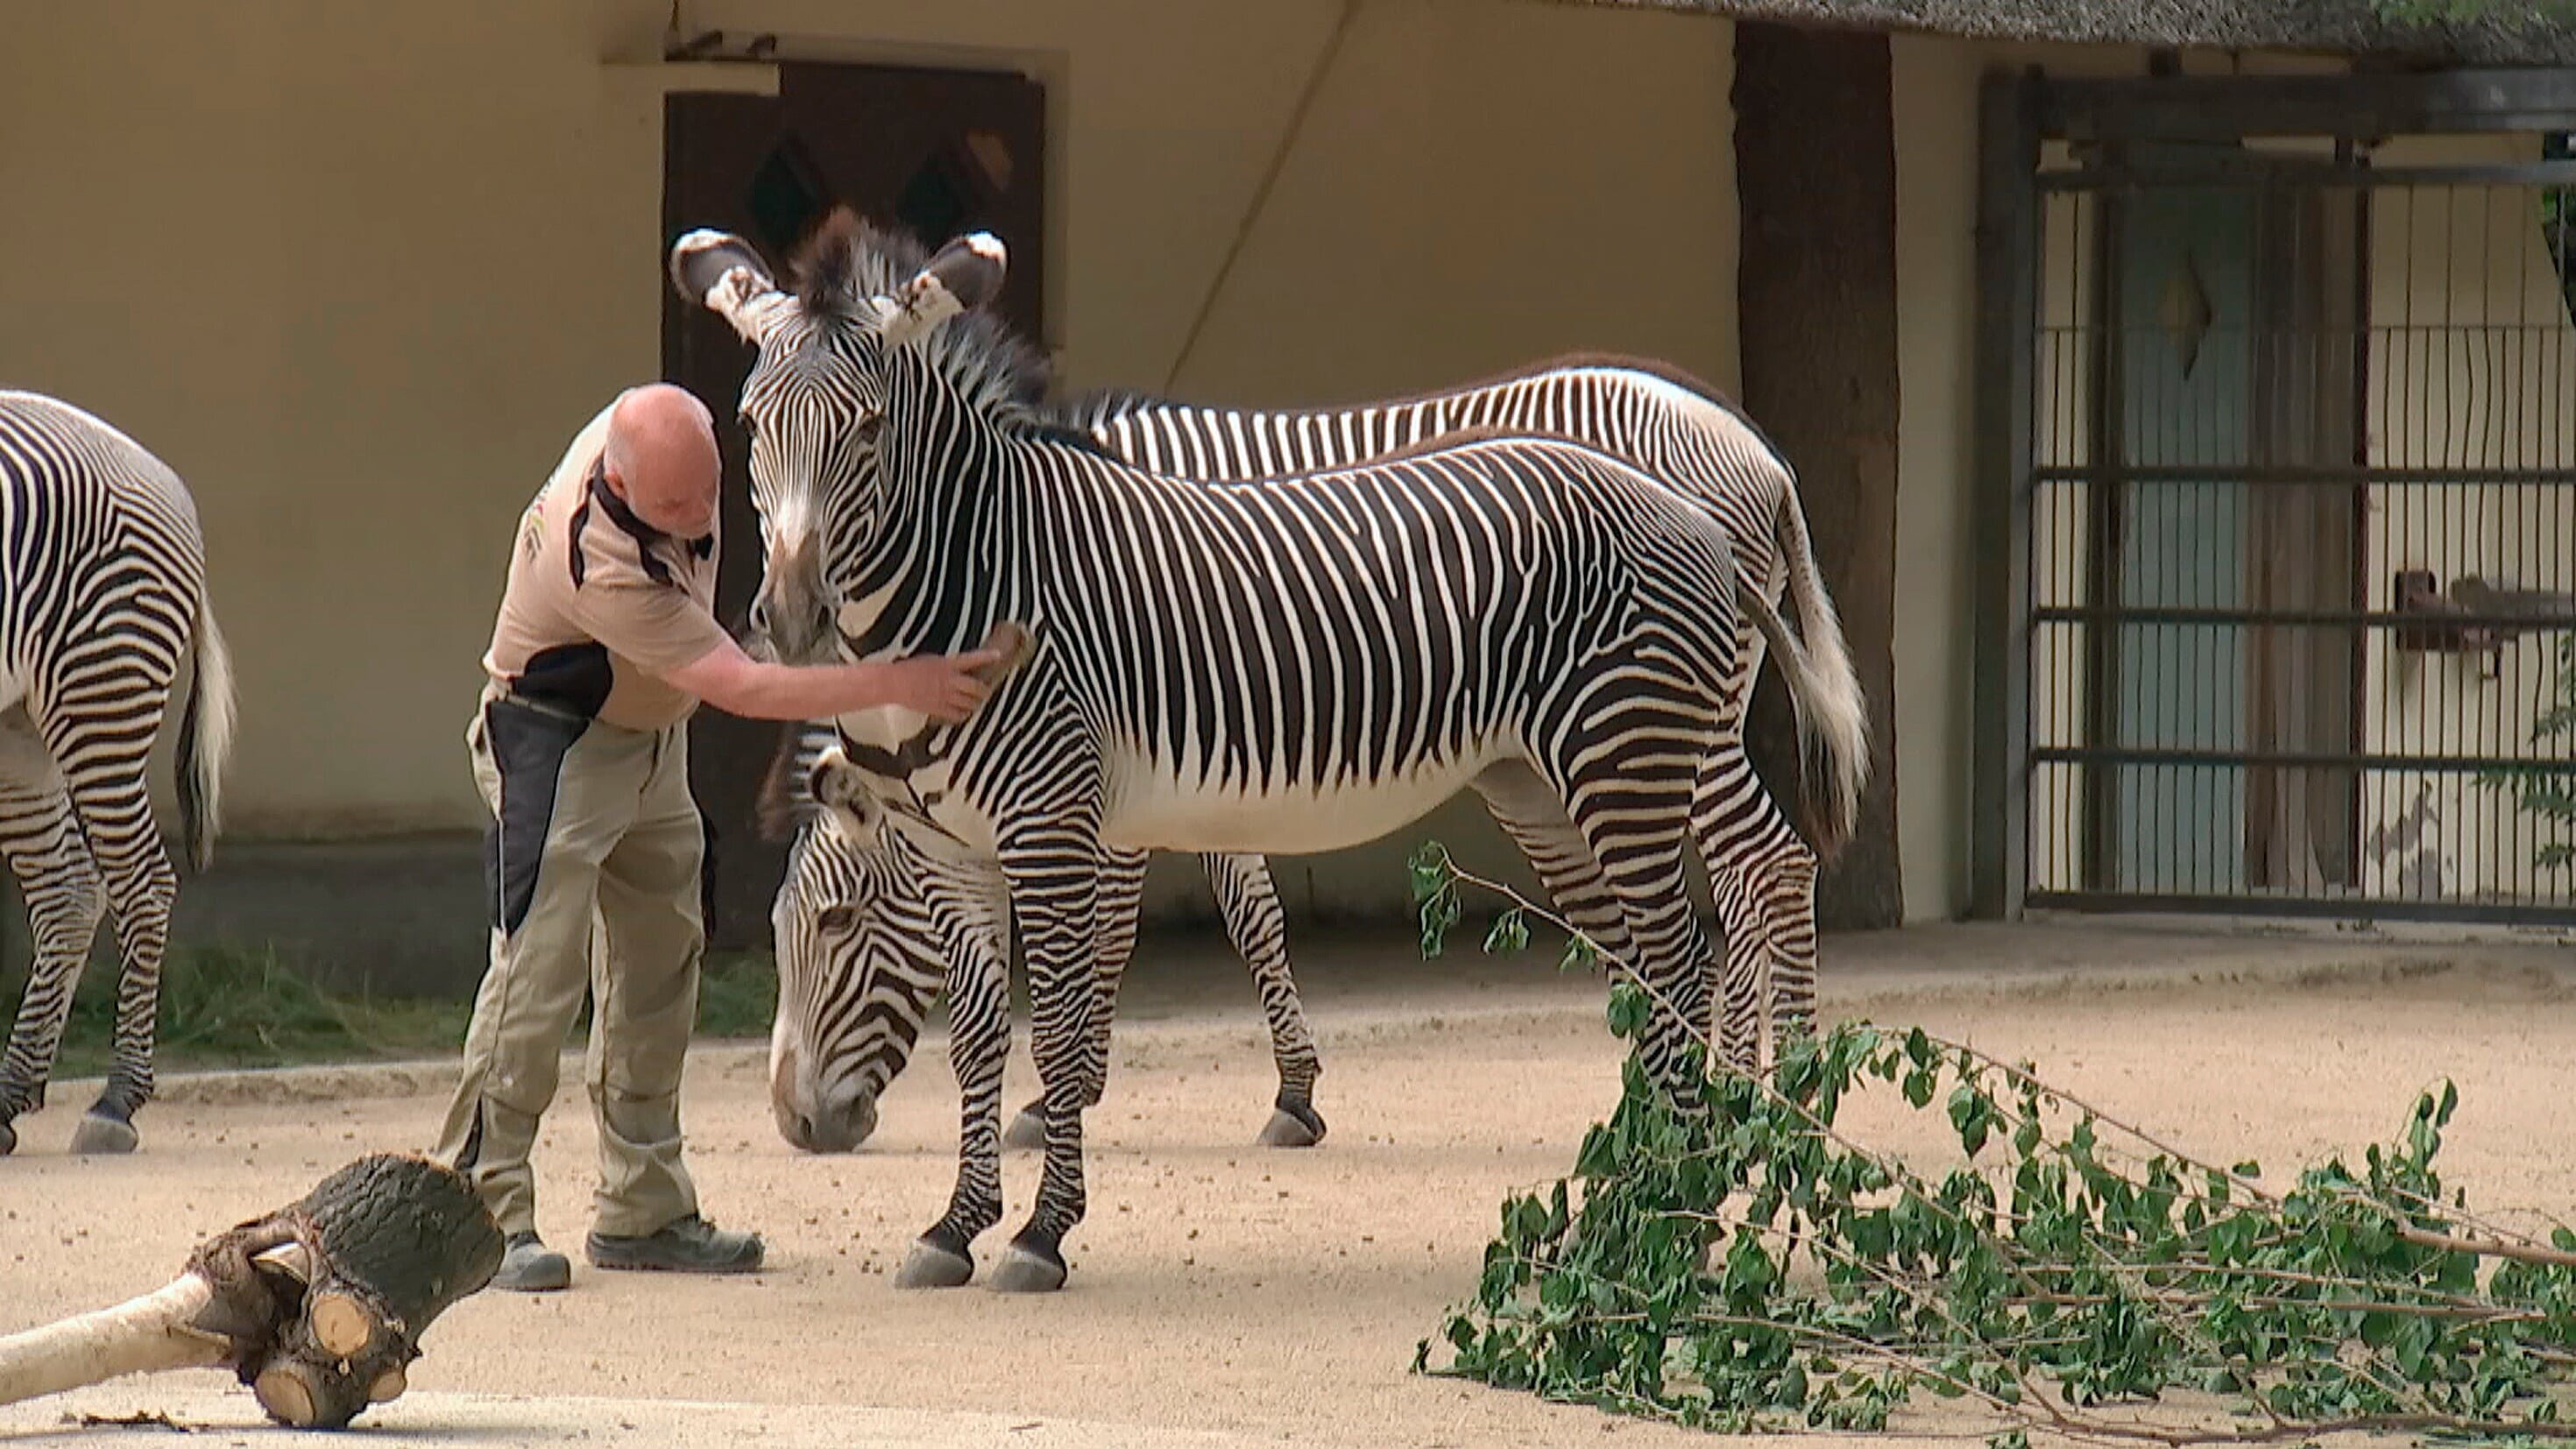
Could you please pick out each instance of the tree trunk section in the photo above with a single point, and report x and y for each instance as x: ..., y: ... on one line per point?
x: 318, y: 1306
x: 1815, y: 158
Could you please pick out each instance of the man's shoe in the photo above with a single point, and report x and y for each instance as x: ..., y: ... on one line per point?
x: 691, y: 1245
x: 529, y: 1266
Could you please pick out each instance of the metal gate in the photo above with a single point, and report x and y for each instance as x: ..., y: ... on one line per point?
x: 2280, y: 439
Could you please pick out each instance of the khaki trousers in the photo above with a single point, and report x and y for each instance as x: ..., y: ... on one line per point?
x: 591, y: 865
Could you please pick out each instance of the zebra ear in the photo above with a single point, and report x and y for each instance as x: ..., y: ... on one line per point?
x: 838, y: 787
x: 720, y: 272
x: 964, y: 275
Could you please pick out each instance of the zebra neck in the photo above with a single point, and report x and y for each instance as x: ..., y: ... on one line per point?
x: 928, y: 576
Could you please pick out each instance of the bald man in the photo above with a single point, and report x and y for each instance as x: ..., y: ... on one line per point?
x: 606, y: 642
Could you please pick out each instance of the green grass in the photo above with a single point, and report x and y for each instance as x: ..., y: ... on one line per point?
x: 229, y: 1007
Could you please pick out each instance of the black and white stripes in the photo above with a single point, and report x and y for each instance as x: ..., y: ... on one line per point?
x: 1667, y: 424
x: 102, y: 589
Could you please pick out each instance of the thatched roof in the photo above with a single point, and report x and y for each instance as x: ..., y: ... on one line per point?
x: 2506, y: 32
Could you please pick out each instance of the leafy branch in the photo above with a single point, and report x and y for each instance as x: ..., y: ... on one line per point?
x: 1758, y: 1267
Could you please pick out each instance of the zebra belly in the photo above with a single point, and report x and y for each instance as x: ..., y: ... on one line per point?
x: 1156, y: 812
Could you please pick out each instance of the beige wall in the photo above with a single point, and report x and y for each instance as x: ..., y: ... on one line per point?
x: 358, y: 270
x: 357, y: 287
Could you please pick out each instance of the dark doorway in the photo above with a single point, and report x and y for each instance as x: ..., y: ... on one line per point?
x: 937, y: 151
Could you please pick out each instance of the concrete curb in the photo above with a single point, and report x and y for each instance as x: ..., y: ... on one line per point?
x: 1885, y: 975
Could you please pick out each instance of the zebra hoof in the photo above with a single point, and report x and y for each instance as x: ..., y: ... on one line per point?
x: 1027, y: 1132
x: 8, y: 1139
x: 1297, y: 1126
x: 1023, y: 1270
x: 932, y: 1266
x: 99, y: 1136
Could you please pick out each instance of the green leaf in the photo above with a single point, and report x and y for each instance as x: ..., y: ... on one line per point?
x: 1628, y: 1011
x: 1510, y: 933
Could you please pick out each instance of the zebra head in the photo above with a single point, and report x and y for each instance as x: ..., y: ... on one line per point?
x: 818, y: 393
x: 856, y: 941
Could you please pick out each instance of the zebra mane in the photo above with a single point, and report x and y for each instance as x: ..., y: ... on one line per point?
x: 1102, y: 406
x: 786, y: 801
x: 848, y: 259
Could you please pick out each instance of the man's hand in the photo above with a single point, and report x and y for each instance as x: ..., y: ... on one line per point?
x: 942, y: 686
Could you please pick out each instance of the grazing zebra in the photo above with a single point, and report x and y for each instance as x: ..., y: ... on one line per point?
x: 1667, y: 424
x: 1298, y: 666
x: 865, y: 929
x: 102, y: 589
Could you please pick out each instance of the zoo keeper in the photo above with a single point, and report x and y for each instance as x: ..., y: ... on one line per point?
x: 606, y: 642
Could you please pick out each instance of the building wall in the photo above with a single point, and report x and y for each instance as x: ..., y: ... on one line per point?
x: 358, y: 271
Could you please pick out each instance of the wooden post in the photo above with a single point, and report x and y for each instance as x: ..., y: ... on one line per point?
x: 1815, y: 166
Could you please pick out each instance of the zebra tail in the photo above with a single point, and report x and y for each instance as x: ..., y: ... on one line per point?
x: 1833, y: 719
x: 205, y: 738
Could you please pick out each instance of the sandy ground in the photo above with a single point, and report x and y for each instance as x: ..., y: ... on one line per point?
x: 1221, y: 1293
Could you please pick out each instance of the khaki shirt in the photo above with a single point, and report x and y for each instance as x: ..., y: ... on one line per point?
x: 599, y: 603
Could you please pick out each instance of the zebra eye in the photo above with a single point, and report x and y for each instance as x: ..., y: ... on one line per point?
x: 869, y: 425
x: 838, y: 920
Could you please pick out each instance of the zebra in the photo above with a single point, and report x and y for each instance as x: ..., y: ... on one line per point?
x: 864, y: 931
x: 1486, y: 602
x: 1669, y: 424
x: 105, y: 589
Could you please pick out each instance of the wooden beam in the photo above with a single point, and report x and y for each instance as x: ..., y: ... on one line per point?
x: 2007, y: 336
x: 2362, y: 106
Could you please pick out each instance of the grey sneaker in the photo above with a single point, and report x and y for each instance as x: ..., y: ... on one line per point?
x: 529, y: 1266
x: 691, y: 1245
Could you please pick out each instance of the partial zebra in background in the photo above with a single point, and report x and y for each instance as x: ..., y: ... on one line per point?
x: 102, y: 590
x: 864, y: 928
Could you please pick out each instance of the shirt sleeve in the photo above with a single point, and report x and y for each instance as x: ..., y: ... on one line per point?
x: 658, y: 626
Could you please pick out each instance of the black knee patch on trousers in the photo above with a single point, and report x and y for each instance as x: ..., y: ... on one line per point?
x: 528, y: 748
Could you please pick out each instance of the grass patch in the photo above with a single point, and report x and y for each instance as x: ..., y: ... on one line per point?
x: 224, y: 1006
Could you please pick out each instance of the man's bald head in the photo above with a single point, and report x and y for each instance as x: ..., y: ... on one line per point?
x: 661, y: 458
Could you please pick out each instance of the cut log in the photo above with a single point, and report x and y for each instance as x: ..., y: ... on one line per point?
x: 341, y: 1324
x: 319, y: 1307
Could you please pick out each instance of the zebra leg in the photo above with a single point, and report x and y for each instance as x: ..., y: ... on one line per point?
x: 1638, y: 826
x: 1723, y: 805
x: 979, y: 1034
x: 1789, y: 918
x: 1764, y: 878
x: 1122, y: 902
x: 1734, y: 1020
x: 89, y: 724
x: 61, y: 887
x: 1054, y: 874
x: 141, y: 887
x: 1249, y: 900
x: 1533, y: 815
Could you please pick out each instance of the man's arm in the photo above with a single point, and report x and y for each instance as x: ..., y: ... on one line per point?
x: 942, y: 686
x: 671, y: 635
